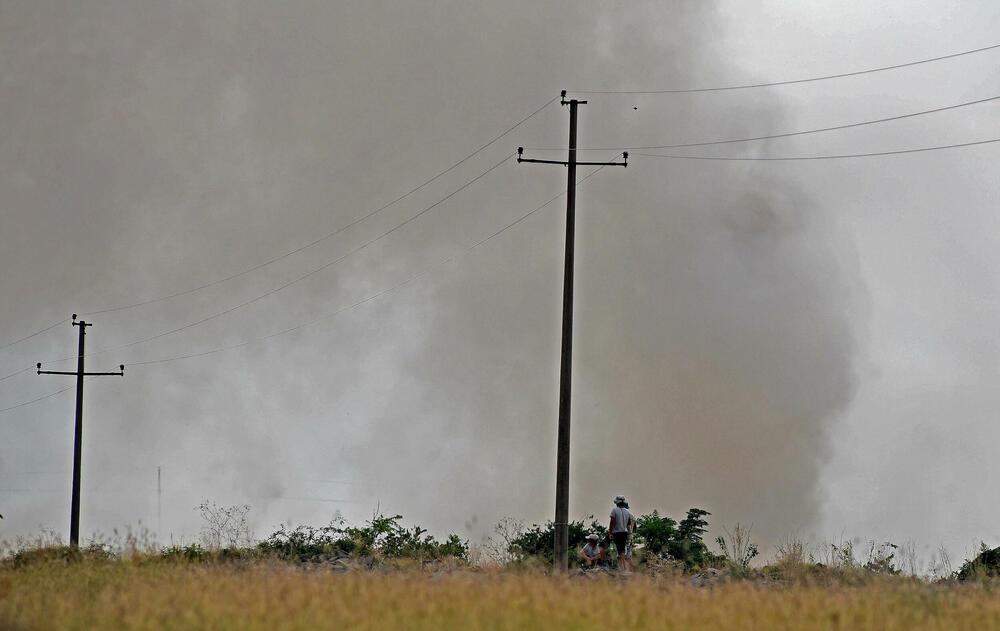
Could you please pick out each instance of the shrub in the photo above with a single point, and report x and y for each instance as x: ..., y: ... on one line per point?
x: 382, y: 535
x: 656, y: 532
x: 306, y: 542
x: 985, y: 565
x: 661, y: 536
x: 537, y: 540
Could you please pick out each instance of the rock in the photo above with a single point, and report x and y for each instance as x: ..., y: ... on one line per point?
x: 707, y: 578
x: 344, y: 563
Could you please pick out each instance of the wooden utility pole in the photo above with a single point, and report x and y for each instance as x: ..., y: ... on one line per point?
x: 561, y: 537
x: 74, y: 518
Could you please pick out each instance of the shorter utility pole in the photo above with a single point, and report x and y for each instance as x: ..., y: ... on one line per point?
x: 74, y: 518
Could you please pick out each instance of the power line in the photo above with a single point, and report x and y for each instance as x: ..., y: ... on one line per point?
x: 307, y: 274
x: 376, y: 295
x: 14, y: 374
x: 791, y: 81
x: 46, y: 396
x: 409, y: 280
x: 28, y: 337
x: 781, y: 135
x: 826, y: 157
x: 335, y: 232
x: 285, y: 255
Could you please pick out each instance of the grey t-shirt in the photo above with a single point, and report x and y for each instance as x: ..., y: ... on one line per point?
x: 622, y: 518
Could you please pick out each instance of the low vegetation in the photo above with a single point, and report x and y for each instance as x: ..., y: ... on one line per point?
x: 386, y: 574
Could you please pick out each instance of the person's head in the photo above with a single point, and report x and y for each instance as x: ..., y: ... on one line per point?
x: 619, y: 500
x: 592, y: 539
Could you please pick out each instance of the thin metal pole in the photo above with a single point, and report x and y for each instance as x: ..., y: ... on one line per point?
x: 74, y: 518
x: 561, y: 544
x: 159, y: 512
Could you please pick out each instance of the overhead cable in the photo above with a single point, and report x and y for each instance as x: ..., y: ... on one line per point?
x: 46, y: 396
x: 825, y: 157
x: 307, y: 274
x: 791, y: 81
x: 28, y: 337
x: 374, y: 296
x: 330, y: 235
x: 779, y: 135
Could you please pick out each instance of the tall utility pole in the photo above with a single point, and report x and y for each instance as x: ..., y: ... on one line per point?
x: 74, y: 518
x: 561, y: 538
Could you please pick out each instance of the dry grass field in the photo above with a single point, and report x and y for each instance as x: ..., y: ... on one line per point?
x: 163, y: 595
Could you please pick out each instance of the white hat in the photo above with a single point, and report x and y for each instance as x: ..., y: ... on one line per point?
x: 619, y: 499
x: 593, y: 537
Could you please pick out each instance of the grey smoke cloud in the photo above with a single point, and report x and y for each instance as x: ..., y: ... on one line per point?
x: 724, y: 312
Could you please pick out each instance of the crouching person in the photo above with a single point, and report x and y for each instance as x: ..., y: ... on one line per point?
x: 592, y: 553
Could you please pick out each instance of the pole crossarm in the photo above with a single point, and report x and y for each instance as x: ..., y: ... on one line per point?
x: 520, y: 152
x: 86, y: 374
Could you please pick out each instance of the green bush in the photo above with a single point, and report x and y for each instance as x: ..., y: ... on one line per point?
x: 656, y: 532
x: 382, y: 535
x: 306, y: 542
x: 985, y: 565
x: 661, y: 536
x: 537, y: 541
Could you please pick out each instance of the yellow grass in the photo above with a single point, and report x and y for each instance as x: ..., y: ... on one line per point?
x: 124, y: 595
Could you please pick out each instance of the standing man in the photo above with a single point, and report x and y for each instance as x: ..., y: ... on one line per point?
x: 621, y: 526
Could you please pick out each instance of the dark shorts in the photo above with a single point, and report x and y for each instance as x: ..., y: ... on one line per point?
x: 621, y: 542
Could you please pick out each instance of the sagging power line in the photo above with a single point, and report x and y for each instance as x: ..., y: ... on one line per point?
x: 301, y: 277
x: 41, y: 398
x: 338, y: 311
x: 330, y: 235
x: 370, y: 298
x: 80, y: 373
x: 306, y: 246
x: 706, y: 143
x: 29, y: 336
x: 793, y: 81
x: 824, y: 157
x: 476, y: 152
x: 374, y: 296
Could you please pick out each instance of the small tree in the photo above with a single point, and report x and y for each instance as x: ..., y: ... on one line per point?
x: 656, y: 532
x: 689, y: 546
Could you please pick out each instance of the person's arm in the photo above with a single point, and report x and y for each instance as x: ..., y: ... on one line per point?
x: 611, y: 526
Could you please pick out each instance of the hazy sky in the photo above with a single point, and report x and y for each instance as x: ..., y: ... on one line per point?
x: 808, y: 346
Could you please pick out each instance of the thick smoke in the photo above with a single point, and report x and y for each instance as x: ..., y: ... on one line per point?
x: 178, y: 144
x: 713, y: 340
